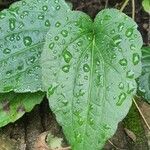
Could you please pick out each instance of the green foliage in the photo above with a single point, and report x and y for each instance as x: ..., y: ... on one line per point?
x: 23, y: 28
x: 144, y: 79
x: 146, y: 5
x: 89, y: 70
x: 13, y: 106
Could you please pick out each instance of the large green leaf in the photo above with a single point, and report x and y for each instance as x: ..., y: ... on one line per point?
x: 23, y: 28
x: 146, y: 5
x: 144, y: 79
x: 13, y: 106
x: 89, y: 72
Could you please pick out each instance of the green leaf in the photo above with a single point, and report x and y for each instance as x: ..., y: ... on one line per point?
x: 13, y: 106
x: 23, y: 28
x: 146, y: 5
x: 144, y: 79
x: 89, y: 72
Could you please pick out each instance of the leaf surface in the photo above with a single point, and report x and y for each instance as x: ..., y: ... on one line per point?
x: 23, y: 28
x: 146, y: 5
x: 13, y: 106
x: 93, y: 66
x: 144, y: 79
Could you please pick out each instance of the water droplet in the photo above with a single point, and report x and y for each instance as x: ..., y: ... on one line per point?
x: 117, y: 40
x: 12, y: 23
x: 86, y: 77
x: 121, y: 85
x: 91, y: 121
x: 86, y: 68
x: 131, y: 88
x: 31, y: 60
x: 8, y: 73
x: 80, y: 43
x: 130, y: 74
x: 51, y: 45
x: 6, y: 51
x: 132, y: 47
x: 47, y: 23
x: 129, y: 32
x: 120, y: 27
x: 58, y: 7
x: 58, y: 24
x: 56, y: 38
x: 122, y: 98
x: 51, y: 90
x: 80, y: 121
x: 78, y: 137
x: 27, y: 41
x: 123, y: 62
x: 113, y: 31
x: 64, y: 33
x: 66, y: 68
x: 41, y: 17
x: 56, y: 1
x: 67, y: 56
x: 136, y: 58
x: 44, y: 8
x: 65, y: 102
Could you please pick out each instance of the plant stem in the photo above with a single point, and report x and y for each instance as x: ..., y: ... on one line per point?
x: 145, y: 121
x: 133, y: 9
x: 124, y: 5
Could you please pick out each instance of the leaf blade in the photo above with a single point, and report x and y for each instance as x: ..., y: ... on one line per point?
x: 144, y: 80
x: 13, y: 106
x: 23, y: 28
x: 83, y: 70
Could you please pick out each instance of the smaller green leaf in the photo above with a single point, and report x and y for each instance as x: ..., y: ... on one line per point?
x: 146, y: 5
x: 144, y: 80
x: 13, y: 106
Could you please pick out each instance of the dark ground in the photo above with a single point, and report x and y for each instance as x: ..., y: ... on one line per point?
x: 22, y: 134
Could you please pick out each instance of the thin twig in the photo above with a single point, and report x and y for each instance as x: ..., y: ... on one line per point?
x: 145, y: 121
x: 133, y: 9
x: 106, y: 4
x: 113, y: 144
x: 124, y: 5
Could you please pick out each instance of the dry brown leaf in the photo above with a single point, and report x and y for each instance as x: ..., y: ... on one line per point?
x: 130, y: 134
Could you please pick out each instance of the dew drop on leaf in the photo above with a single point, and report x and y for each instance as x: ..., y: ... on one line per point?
x: 66, y: 68
x: 123, y: 62
x: 117, y: 40
x: 121, y: 85
x: 136, y: 58
x: 132, y: 47
x: 130, y: 74
x: 47, y: 23
x: 120, y: 27
x: 27, y: 41
x: 56, y: 38
x: 12, y: 23
x: 131, y: 88
x: 51, y: 45
x: 121, y: 99
x: 41, y: 17
x: 58, y: 24
x: 67, y: 56
x: 44, y: 8
x: 6, y: 51
x: 86, y: 68
x: 129, y: 32
x: 64, y: 33
x: 58, y: 7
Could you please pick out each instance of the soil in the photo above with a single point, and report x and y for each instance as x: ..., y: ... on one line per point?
x: 23, y: 134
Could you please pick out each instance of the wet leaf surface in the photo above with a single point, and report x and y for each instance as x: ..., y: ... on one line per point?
x: 93, y: 67
x: 23, y: 28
